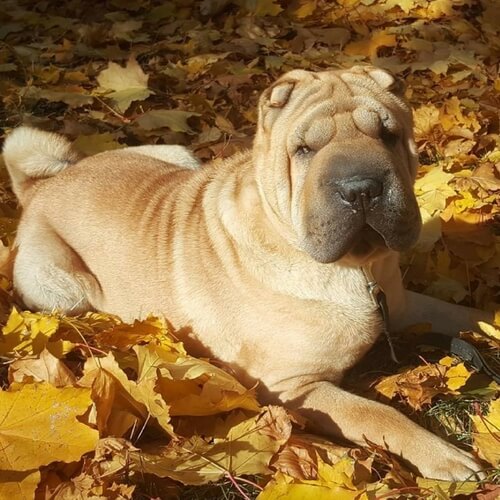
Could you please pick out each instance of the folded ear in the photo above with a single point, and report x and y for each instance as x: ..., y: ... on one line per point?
x: 383, y: 78
x: 279, y: 93
x: 273, y: 100
x: 388, y: 81
x: 275, y: 97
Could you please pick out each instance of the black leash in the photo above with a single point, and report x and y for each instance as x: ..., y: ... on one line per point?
x: 462, y: 349
x: 454, y: 345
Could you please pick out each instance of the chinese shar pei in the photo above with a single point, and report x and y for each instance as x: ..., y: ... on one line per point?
x: 260, y: 260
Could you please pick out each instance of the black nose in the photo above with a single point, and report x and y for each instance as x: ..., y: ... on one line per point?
x: 359, y: 192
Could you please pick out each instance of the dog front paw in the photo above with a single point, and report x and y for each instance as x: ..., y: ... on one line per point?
x: 450, y: 464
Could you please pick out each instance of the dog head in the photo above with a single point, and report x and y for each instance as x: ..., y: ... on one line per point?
x: 336, y: 162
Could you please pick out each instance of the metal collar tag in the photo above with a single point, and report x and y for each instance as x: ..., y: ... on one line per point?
x: 380, y: 301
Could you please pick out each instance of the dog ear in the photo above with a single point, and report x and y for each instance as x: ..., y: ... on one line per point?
x: 388, y: 81
x: 273, y: 99
x: 278, y: 94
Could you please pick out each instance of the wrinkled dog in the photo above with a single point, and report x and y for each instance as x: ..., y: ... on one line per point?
x: 262, y: 259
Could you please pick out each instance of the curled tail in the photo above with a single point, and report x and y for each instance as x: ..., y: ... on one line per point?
x: 31, y: 155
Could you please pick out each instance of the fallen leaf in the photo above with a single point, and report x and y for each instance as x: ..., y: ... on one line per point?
x: 333, y: 482
x: 96, y: 143
x: 247, y: 449
x: 370, y: 46
x: 490, y: 330
x: 263, y: 7
x: 174, y: 119
x: 298, y: 459
x: 18, y: 484
x: 74, y: 99
x: 122, y: 404
x: 456, y: 375
x: 45, y: 368
x: 39, y: 426
x: 418, y: 386
x: 446, y: 288
x: 124, y: 84
x: 125, y: 336
x: 431, y: 231
x: 432, y: 190
x: 191, y: 386
x: 27, y: 333
x: 284, y: 487
x: 487, y: 433
x: 425, y: 118
x: 446, y: 489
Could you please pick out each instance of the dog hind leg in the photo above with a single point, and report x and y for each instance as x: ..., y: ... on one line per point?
x: 49, y: 275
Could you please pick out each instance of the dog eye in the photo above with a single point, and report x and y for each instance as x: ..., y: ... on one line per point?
x: 303, y: 150
x: 389, y: 138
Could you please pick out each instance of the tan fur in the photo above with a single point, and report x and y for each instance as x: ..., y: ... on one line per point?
x: 222, y: 252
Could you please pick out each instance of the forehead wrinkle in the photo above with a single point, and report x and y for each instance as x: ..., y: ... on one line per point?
x: 386, y: 115
x: 303, y: 93
x: 311, y: 98
x: 320, y: 133
x: 340, y: 86
x: 305, y: 122
x: 363, y: 82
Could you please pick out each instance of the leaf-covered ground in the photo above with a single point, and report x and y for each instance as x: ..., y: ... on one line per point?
x: 94, y: 408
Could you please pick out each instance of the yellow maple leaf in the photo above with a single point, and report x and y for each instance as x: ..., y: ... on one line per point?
x: 303, y: 8
x: 487, y: 433
x: 124, y: 84
x: 456, y: 375
x: 432, y: 190
x: 121, y: 403
x: 455, y: 114
x: 490, y: 330
x: 446, y: 489
x: 124, y: 336
x: 465, y: 202
x: 263, y: 7
x: 425, y: 119
x: 93, y: 144
x: 431, y: 230
x: 19, y: 484
x: 192, y: 386
x: 247, y: 448
x: 334, y: 482
x: 28, y: 333
x: 446, y: 288
x: 418, y: 386
x: 283, y: 486
x: 38, y: 425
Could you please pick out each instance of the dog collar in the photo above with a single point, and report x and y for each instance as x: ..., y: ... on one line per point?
x: 379, y: 299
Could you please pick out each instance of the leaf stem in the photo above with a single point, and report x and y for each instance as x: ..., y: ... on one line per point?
x: 237, y: 486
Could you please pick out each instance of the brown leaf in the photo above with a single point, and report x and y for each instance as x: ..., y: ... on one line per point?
x: 121, y: 404
x: 45, y: 368
x: 297, y: 459
x: 247, y: 449
x: 418, y: 386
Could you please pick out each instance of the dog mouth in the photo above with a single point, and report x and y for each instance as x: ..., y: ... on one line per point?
x: 366, y: 242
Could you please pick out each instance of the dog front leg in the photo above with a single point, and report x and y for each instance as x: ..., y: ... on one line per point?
x: 336, y: 412
x: 444, y: 317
